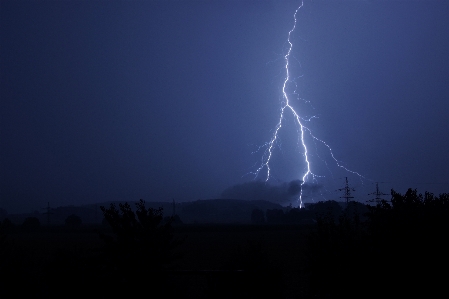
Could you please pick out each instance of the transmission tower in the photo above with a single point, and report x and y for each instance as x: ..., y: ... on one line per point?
x: 347, y: 191
x: 378, y: 195
x: 48, y: 213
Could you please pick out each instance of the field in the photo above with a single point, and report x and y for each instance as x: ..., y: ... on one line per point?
x: 222, y: 259
x: 399, y: 249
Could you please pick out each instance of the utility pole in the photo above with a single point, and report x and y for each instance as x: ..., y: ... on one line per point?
x: 378, y: 195
x: 48, y: 213
x: 347, y: 191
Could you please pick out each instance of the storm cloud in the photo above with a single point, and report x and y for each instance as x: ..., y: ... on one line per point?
x: 283, y: 193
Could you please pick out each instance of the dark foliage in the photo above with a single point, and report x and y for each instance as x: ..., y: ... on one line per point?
x: 141, y: 246
x: 400, y: 249
x: 326, y: 209
x: 409, y: 237
x: 7, y: 225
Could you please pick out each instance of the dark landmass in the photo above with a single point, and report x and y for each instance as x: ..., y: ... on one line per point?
x: 200, y: 211
x: 328, y: 250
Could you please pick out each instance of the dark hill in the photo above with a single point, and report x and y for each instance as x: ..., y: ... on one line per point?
x: 222, y: 210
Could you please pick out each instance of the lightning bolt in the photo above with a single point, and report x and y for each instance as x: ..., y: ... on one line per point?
x: 300, y: 121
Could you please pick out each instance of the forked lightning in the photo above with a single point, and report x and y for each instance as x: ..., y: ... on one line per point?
x: 302, y: 131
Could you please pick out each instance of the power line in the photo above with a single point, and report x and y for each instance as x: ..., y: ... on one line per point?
x: 347, y: 191
x: 378, y: 195
x: 48, y: 213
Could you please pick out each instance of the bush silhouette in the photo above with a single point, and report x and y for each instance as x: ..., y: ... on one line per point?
x: 326, y: 209
x: 401, y: 248
x: 141, y: 245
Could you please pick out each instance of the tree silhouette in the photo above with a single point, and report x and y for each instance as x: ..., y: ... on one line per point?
x: 400, y: 249
x: 410, y: 233
x: 326, y: 209
x: 142, y: 245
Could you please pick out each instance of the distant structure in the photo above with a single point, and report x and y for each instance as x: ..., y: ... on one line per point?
x: 174, y: 208
x: 347, y: 191
x: 48, y: 213
x: 378, y: 195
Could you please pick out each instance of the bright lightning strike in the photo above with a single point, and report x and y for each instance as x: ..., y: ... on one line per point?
x: 302, y: 131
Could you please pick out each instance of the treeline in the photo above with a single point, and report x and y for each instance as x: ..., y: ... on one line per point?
x: 135, y: 250
x: 400, y: 249
x: 397, y: 248
x: 310, y: 214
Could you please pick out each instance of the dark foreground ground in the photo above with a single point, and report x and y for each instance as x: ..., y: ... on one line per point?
x: 210, y: 261
x: 228, y: 261
x: 395, y: 249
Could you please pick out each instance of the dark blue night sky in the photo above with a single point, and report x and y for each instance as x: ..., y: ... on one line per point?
x: 121, y: 100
